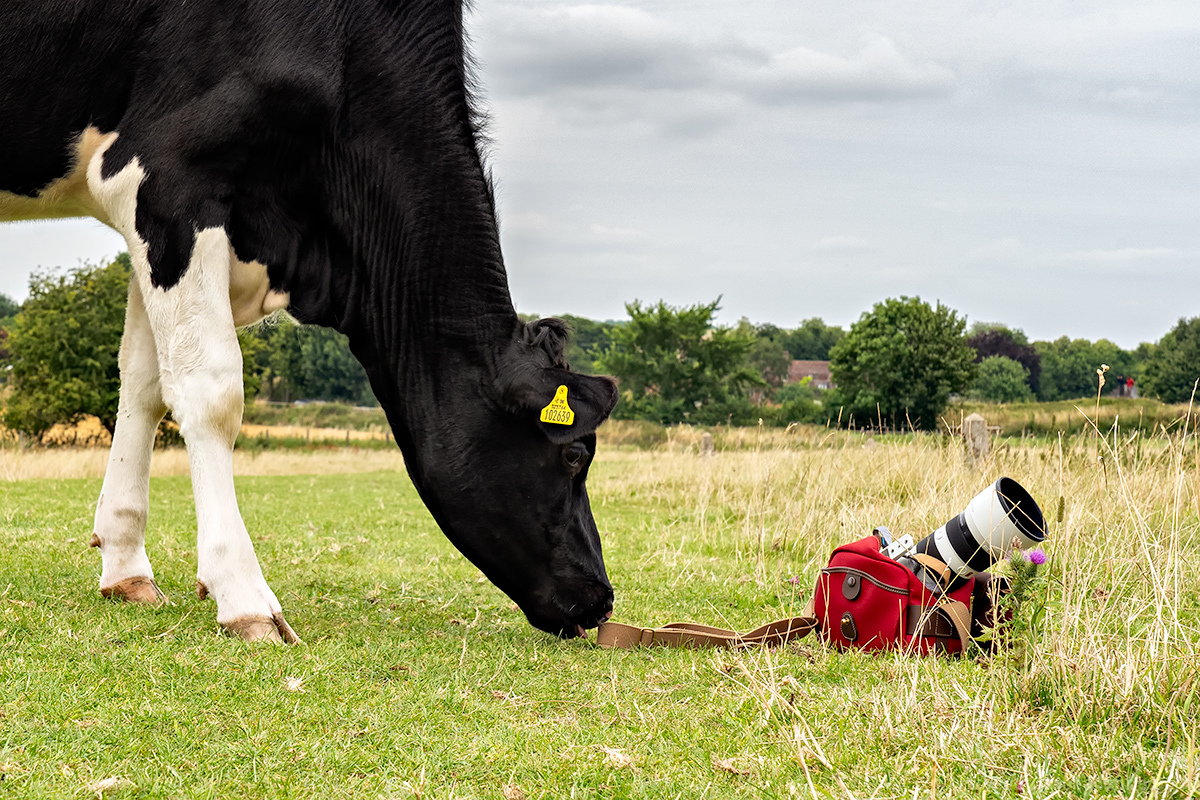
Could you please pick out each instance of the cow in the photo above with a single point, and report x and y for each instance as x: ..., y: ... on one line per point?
x: 323, y: 157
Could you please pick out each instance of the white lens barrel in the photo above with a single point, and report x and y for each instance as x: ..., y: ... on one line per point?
x: 985, y: 530
x: 1001, y: 513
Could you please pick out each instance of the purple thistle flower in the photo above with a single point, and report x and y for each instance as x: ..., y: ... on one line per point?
x: 1036, y: 557
x: 794, y: 580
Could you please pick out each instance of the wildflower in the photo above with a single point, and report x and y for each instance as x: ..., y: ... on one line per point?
x: 794, y: 580
x: 1036, y: 557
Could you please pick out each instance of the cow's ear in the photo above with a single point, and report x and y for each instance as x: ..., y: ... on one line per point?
x: 566, y: 405
x: 535, y: 382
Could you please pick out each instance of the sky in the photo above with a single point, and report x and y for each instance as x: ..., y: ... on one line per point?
x: 1034, y: 163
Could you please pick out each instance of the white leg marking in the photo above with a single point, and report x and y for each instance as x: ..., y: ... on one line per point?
x: 206, y: 377
x: 120, y: 528
x: 200, y: 373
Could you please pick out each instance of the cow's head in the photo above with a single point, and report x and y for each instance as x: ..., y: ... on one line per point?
x: 509, y: 490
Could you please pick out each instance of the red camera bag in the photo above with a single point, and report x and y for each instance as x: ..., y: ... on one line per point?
x: 866, y: 600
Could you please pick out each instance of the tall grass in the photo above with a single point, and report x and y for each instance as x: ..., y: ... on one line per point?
x: 1072, y: 417
x: 1112, y: 687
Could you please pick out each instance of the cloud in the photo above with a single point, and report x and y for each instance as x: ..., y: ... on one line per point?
x: 525, y: 222
x: 878, y: 72
x: 998, y: 250
x: 842, y: 244
x: 1120, y: 255
x: 606, y: 233
x: 612, y: 61
x: 549, y: 50
x: 1134, y: 96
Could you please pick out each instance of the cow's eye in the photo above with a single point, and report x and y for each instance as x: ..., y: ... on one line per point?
x: 574, y: 456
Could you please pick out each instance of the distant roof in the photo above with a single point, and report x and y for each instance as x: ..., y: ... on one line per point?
x: 818, y: 370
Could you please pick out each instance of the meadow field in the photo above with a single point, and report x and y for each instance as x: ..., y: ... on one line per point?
x: 417, y: 678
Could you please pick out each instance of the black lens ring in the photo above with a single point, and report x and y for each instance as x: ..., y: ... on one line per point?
x: 1020, y: 507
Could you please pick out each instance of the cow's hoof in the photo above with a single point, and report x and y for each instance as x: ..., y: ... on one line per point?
x: 262, y: 629
x: 135, y: 590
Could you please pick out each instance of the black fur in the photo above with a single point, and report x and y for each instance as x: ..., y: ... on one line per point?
x: 336, y: 142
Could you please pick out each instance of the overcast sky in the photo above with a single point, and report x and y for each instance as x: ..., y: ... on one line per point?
x: 1035, y: 163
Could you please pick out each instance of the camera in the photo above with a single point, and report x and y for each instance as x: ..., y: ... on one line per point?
x: 973, y: 540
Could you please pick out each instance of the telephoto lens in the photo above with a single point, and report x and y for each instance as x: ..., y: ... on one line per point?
x: 982, y: 534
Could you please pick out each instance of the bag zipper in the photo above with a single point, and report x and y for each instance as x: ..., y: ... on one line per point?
x: 866, y: 576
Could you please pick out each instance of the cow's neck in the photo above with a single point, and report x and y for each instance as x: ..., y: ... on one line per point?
x: 428, y: 309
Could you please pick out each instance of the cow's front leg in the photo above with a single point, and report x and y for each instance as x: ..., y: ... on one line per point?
x: 190, y: 317
x: 202, y: 376
x: 120, y: 526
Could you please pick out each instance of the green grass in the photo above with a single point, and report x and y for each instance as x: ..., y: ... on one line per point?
x: 418, y: 678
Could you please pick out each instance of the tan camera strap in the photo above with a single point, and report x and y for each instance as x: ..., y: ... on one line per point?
x: 689, y: 634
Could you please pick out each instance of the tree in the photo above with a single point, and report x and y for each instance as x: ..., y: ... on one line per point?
x: 1173, y: 367
x: 1002, y: 380
x: 996, y: 340
x: 799, y: 401
x: 767, y: 356
x: 8, y: 309
x: 900, y: 363
x: 675, y: 366
x: 286, y: 361
x: 1069, y: 366
x: 812, y: 341
x: 589, y: 338
x: 63, y: 348
x: 331, y: 372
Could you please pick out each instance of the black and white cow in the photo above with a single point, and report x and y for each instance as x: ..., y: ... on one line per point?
x: 319, y: 156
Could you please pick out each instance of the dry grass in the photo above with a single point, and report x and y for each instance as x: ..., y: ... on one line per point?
x: 88, y: 432
x: 16, y: 465
x: 1120, y: 652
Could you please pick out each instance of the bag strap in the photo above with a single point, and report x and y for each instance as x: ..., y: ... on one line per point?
x: 689, y: 634
x: 960, y: 615
x: 945, y: 618
x: 935, y: 566
x: 958, y: 612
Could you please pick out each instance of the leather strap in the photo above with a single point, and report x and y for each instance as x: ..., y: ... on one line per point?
x: 935, y: 566
x: 960, y: 615
x: 931, y: 621
x: 689, y: 634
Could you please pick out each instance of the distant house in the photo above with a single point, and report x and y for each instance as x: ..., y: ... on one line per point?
x: 817, y: 370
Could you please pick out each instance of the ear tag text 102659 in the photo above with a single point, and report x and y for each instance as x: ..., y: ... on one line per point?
x: 558, y: 412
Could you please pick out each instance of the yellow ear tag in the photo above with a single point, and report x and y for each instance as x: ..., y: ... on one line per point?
x: 558, y: 412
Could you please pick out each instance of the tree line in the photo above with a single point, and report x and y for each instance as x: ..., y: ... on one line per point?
x: 897, y: 366
x: 59, y: 351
